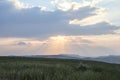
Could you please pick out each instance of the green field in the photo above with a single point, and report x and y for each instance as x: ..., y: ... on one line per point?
x: 18, y: 68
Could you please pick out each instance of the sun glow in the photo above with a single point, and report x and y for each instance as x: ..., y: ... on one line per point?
x: 57, y: 44
x: 59, y: 38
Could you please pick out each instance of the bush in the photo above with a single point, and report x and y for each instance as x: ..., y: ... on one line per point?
x: 83, y: 67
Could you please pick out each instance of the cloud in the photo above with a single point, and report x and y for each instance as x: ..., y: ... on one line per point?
x: 94, y: 2
x: 18, y: 4
x: 33, y: 22
x: 113, y: 12
x: 67, y: 5
x: 34, y: 30
x: 21, y: 43
x: 89, y: 50
x: 61, y: 45
x: 92, y: 20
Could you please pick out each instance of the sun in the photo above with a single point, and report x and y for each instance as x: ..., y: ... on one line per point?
x: 59, y: 38
x: 57, y: 44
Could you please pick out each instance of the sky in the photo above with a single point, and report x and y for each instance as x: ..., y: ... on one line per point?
x: 80, y: 27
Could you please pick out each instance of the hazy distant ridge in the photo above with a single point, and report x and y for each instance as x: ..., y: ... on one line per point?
x: 109, y: 59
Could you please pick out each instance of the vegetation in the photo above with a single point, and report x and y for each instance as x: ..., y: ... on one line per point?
x: 18, y: 68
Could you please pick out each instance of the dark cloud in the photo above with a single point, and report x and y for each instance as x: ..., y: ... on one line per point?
x: 32, y: 22
x: 21, y: 43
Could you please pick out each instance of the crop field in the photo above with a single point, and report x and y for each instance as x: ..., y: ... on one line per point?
x: 21, y: 68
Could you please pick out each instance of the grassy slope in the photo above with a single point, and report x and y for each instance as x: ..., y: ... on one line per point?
x: 56, y: 69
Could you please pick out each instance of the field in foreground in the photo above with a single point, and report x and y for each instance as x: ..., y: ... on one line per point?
x: 16, y: 68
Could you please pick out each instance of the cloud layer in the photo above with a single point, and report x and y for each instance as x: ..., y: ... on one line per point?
x: 70, y: 45
x: 33, y: 22
x: 35, y: 30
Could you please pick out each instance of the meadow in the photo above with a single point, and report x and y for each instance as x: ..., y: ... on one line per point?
x: 21, y: 68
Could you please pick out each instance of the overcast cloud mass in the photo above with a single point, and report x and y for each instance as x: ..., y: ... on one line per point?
x: 29, y: 30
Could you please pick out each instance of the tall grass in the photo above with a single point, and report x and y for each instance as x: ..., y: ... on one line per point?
x: 12, y: 68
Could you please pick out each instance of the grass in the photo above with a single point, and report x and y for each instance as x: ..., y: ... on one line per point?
x: 18, y: 68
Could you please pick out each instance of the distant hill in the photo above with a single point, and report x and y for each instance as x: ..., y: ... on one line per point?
x: 60, y: 56
x: 109, y: 59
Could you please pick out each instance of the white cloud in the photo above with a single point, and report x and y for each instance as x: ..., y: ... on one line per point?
x: 112, y: 10
x: 95, y: 2
x: 91, y: 20
x: 66, y: 5
x: 88, y: 21
x: 18, y: 4
x: 42, y: 8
